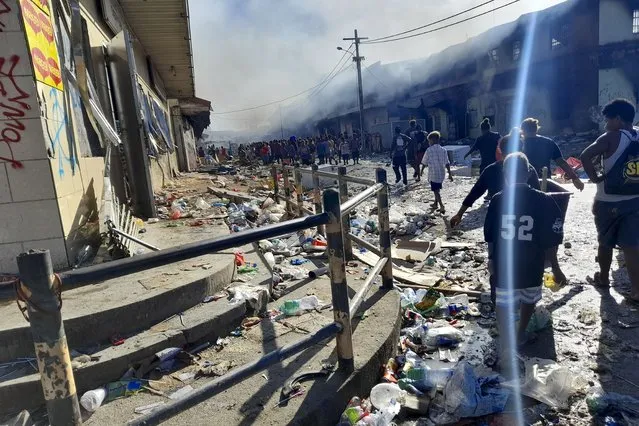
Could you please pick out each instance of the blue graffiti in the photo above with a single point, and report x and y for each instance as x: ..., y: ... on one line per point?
x: 59, y: 116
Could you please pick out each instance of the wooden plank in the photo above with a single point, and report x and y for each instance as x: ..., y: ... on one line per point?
x: 417, y: 251
x: 442, y: 289
x: 399, y: 273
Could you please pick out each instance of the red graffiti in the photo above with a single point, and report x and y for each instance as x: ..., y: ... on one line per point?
x: 4, y: 8
x: 12, y: 107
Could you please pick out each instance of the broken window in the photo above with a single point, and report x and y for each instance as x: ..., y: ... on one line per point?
x: 494, y: 55
x: 516, y: 50
x: 559, y: 37
x: 635, y: 21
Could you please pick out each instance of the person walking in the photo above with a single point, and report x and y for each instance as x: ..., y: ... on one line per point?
x: 436, y: 159
x: 491, y: 179
x: 616, y: 206
x: 398, y: 155
x: 540, y: 150
x: 486, y: 144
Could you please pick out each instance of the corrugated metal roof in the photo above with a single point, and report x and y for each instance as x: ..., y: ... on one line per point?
x: 162, y: 26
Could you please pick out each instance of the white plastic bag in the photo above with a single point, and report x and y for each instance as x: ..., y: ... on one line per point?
x: 548, y: 382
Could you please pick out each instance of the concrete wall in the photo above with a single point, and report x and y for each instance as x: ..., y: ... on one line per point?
x: 29, y: 215
x: 374, y: 116
x: 615, y: 83
x: 615, y: 21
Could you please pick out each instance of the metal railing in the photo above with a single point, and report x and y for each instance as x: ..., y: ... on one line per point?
x: 41, y: 290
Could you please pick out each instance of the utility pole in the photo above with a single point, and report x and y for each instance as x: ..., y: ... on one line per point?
x: 281, y: 122
x: 358, y: 60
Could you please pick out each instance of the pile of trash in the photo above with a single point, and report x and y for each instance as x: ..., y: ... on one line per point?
x: 436, y: 376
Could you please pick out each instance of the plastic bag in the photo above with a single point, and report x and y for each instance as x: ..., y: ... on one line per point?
x: 469, y: 396
x: 442, y: 336
x: 541, y: 319
x: 201, y: 204
x: 548, y: 382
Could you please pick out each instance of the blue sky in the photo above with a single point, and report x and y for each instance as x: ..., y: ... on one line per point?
x: 250, y: 52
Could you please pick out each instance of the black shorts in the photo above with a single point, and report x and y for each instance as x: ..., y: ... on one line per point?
x: 436, y: 186
x: 617, y: 223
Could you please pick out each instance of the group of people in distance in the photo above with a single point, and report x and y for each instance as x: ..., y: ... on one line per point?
x: 524, y: 226
x: 326, y: 149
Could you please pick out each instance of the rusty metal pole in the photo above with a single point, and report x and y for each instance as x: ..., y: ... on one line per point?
x: 287, y: 192
x: 39, y: 289
x: 276, y: 187
x: 339, y: 286
x: 317, y: 198
x: 383, y: 204
x: 346, y: 220
x: 299, y: 191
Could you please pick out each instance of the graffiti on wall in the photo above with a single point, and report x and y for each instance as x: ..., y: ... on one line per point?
x: 4, y: 9
x: 42, y: 45
x: 55, y: 125
x: 13, y: 107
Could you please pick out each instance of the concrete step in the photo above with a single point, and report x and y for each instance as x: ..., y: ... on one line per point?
x: 253, y: 401
x: 204, y: 322
x: 95, y: 313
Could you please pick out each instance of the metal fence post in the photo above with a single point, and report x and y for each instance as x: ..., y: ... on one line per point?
x: 276, y: 187
x: 384, y: 229
x: 346, y: 220
x: 40, y: 290
x: 299, y: 191
x: 287, y: 191
x: 339, y: 287
x: 317, y: 198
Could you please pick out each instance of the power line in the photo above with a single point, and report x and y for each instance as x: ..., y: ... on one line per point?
x: 288, y: 98
x: 342, y: 69
x: 346, y: 52
x: 446, y: 26
x: 431, y: 23
x: 371, y: 73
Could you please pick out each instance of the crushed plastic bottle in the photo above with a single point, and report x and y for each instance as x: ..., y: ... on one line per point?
x: 297, y: 307
x: 93, y: 399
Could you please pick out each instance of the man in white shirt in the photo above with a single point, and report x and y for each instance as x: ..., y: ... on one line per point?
x: 436, y: 159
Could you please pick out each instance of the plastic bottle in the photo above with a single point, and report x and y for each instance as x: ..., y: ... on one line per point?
x: 270, y: 258
x: 296, y: 307
x: 442, y: 336
x: 413, y: 361
x: 93, y: 399
x: 429, y: 378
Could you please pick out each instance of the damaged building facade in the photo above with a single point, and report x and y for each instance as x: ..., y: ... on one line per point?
x: 98, y: 109
x: 580, y: 57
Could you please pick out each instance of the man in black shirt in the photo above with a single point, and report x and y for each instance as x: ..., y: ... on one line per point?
x: 540, y: 150
x: 492, y: 178
x: 401, y: 143
x: 486, y: 144
x: 416, y: 134
x: 521, y: 224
